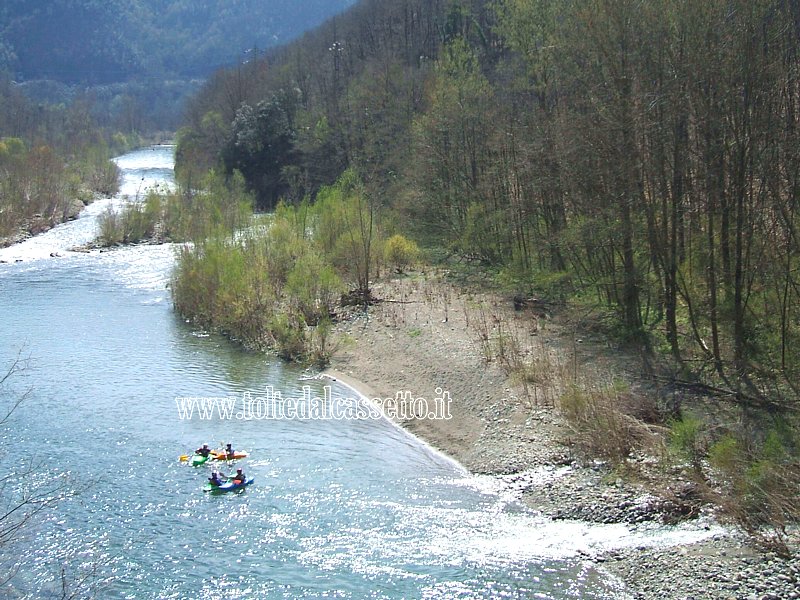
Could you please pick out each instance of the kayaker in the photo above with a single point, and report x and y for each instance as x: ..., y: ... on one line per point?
x: 239, y: 478
x: 215, y: 479
x: 229, y: 451
x: 203, y: 451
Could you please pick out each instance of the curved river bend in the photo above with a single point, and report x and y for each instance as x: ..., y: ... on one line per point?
x: 340, y: 509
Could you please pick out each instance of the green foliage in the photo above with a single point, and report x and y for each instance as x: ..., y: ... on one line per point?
x: 260, y: 147
x: 686, y: 439
x: 193, y: 148
x: 346, y: 230
x: 136, y: 222
x: 12, y: 147
x: 313, y: 287
x: 726, y: 454
x: 36, y: 187
x: 517, y: 138
x: 289, y: 336
x: 217, y: 204
x: 450, y: 143
x: 110, y: 228
x: 217, y: 284
x: 221, y: 205
x: 484, y: 236
x: 53, y: 157
x: 321, y: 349
x: 760, y: 483
x: 400, y: 253
x: 272, y: 284
x: 774, y: 449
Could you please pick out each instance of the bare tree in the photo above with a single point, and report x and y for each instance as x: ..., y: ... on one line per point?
x: 24, y: 495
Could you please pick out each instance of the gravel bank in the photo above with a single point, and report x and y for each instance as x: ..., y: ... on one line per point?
x: 430, y: 336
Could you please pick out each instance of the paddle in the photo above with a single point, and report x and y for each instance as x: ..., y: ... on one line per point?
x: 185, y: 457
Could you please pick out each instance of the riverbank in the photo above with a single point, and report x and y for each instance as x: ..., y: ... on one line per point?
x: 38, y: 224
x: 428, y: 336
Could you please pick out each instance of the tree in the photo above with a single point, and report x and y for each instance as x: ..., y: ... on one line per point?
x: 261, y: 145
x: 345, y: 228
x: 23, y: 497
x: 450, y: 146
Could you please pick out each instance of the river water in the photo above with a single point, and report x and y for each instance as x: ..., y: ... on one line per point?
x: 339, y: 509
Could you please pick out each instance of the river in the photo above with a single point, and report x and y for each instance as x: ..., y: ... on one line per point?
x: 339, y: 509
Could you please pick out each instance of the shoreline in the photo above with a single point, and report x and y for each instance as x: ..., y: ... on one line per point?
x: 426, y: 335
x: 37, y: 225
x: 367, y: 393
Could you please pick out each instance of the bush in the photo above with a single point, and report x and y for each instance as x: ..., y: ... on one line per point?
x: 313, y: 287
x: 110, y: 228
x: 759, y: 486
x: 136, y: 222
x: 346, y: 231
x: 726, y: 454
x: 685, y: 440
x: 261, y: 286
x: 289, y: 336
x: 400, y: 252
x: 601, y: 427
x: 320, y: 343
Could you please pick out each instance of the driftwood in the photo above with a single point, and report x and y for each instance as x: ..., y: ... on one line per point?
x: 718, y: 392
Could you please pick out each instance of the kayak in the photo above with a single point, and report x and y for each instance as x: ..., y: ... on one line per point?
x: 232, y: 485
x: 199, y: 459
x: 228, y: 486
x: 219, y: 455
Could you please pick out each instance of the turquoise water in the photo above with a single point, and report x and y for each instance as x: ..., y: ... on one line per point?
x: 339, y: 509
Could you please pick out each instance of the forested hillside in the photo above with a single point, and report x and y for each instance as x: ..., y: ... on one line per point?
x: 101, y: 42
x: 640, y: 159
x: 138, y: 60
x: 53, y: 160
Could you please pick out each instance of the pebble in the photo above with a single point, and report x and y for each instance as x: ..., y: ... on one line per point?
x: 715, y: 569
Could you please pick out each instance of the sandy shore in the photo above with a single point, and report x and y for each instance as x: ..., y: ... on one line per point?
x: 428, y: 337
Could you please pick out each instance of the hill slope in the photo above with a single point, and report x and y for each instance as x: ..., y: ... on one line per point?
x: 98, y: 42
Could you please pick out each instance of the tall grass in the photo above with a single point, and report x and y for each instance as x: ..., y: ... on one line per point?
x: 603, y: 423
x: 135, y: 223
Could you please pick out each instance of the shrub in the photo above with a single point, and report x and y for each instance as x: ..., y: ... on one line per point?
x: 601, y: 427
x: 313, y: 286
x: 400, y: 252
x: 320, y: 343
x: 759, y: 487
x: 685, y: 440
x: 110, y: 228
x: 726, y: 455
x: 136, y: 222
x: 289, y: 336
